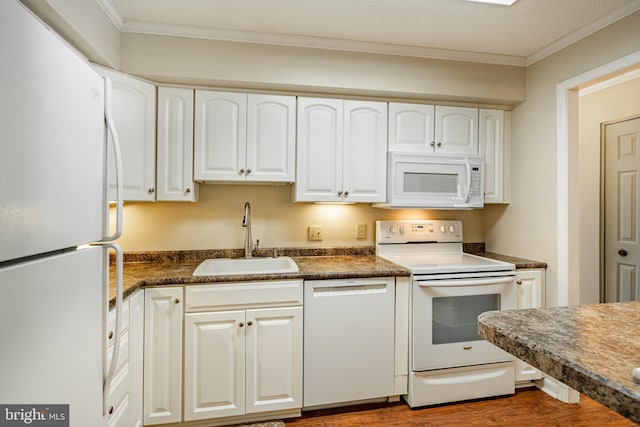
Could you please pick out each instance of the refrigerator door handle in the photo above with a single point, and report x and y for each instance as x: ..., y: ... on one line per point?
x: 107, y: 408
x: 118, y: 161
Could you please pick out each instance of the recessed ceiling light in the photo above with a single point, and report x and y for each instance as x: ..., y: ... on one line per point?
x: 502, y: 2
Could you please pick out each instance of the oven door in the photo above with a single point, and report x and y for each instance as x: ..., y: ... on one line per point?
x: 445, y: 320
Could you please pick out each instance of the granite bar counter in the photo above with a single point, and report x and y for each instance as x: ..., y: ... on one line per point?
x: 591, y: 348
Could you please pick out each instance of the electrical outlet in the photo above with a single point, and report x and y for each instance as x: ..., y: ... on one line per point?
x: 361, y: 231
x: 314, y: 232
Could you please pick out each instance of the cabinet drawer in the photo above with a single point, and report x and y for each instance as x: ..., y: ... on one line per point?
x: 124, y: 322
x: 243, y: 295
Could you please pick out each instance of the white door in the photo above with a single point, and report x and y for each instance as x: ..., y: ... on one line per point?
x: 319, y: 150
x: 274, y: 359
x: 365, y: 164
x: 214, y: 366
x: 622, y: 188
x: 411, y: 127
x: 162, y: 355
x: 456, y: 130
x: 220, y: 136
x: 175, y: 145
x: 271, y: 138
x: 134, y: 115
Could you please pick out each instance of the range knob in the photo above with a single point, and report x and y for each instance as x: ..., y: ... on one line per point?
x: 431, y: 228
x: 402, y: 229
x: 442, y: 229
x: 451, y: 229
x: 392, y: 229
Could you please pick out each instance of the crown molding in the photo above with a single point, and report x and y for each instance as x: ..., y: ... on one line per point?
x: 583, y: 32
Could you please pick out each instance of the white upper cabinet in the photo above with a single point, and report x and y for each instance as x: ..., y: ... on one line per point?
x: 175, y: 145
x: 271, y: 138
x: 244, y: 137
x: 494, y: 145
x: 341, y: 151
x: 411, y: 127
x: 134, y: 115
x: 433, y: 129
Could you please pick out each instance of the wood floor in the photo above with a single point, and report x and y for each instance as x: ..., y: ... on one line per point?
x: 528, y: 407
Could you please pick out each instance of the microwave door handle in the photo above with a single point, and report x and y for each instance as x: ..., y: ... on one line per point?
x: 468, y: 167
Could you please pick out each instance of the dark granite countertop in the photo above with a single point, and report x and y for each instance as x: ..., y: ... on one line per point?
x: 144, y: 269
x: 171, y: 268
x: 591, y: 348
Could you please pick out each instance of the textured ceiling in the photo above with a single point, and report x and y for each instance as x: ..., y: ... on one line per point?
x: 453, y: 29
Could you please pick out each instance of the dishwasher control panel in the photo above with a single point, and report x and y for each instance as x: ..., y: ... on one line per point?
x: 418, y: 231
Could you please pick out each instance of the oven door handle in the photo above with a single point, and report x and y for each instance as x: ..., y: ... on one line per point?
x: 468, y: 282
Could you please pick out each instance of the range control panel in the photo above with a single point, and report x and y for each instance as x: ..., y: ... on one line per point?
x: 413, y: 231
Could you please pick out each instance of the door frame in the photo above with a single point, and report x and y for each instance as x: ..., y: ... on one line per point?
x: 602, y: 235
x: 567, y: 202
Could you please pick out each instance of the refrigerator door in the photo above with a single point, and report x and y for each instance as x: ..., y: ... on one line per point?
x: 52, y: 144
x: 51, y: 340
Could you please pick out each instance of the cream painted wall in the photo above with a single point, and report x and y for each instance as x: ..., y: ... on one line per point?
x: 255, y: 66
x: 527, y: 227
x: 610, y: 104
x: 215, y: 221
x: 84, y: 24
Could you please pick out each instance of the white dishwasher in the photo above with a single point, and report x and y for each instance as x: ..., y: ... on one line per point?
x: 348, y: 340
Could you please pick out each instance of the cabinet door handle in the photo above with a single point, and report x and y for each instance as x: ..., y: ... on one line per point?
x: 433, y: 143
x: 439, y: 144
x: 340, y: 193
x: 346, y: 194
x: 188, y: 190
x: 248, y: 171
x: 176, y: 301
x: 240, y: 324
x: 623, y: 252
x: 241, y: 171
x: 151, y: 190
x: 518, y: 282
x: 249, y: 323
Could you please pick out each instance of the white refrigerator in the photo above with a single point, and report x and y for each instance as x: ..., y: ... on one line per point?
x: 54, y: 262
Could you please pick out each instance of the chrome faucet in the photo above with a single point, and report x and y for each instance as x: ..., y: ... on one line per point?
x: 246, y: 224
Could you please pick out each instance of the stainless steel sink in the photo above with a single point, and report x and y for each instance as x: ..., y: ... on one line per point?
x: 230, y: 266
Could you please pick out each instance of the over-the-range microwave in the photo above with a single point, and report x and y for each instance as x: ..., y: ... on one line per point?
x: 418, y: 180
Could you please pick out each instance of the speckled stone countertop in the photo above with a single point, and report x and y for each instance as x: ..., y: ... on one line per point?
x: 591, y: 348
x: 144, y: 269
x: 176, y: 268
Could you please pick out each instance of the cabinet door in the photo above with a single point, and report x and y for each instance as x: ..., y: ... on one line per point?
x: 456, y: 130
x: 493, y: 146
x: 134, y: 116
x: 411, y: 127
x: 136, y: 354
x: 319, y: 150
x: 214, y: 367
x: 220, y: 136
x: 175, y: 145
x: 274, y: 359
x: 365, y: 164
x: 528, y: 295
x: 163, y: 355
x: 271, y: 138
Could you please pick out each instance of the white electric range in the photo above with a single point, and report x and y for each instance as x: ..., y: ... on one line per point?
x: 448, y: 360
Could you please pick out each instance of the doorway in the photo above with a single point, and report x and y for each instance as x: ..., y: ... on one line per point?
x: 620, y: 202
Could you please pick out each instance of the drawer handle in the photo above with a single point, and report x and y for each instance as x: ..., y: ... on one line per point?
x: 467, y: 347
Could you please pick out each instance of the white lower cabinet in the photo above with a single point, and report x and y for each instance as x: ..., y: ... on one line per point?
x: 529, y: 294
x: 163, y: 355
x: 125, y: 392
x: 242, y: 361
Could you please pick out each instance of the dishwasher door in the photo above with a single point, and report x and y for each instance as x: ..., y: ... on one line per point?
x: 348, y: 340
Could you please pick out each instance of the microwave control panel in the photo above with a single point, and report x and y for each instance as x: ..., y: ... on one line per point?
x: 414, y: 231
x: 476, y: 181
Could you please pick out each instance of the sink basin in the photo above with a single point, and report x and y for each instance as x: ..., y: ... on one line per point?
x: 229, y: 266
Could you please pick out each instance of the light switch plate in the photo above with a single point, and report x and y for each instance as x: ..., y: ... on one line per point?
x: 361, y: 231
x: 314, y: 232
